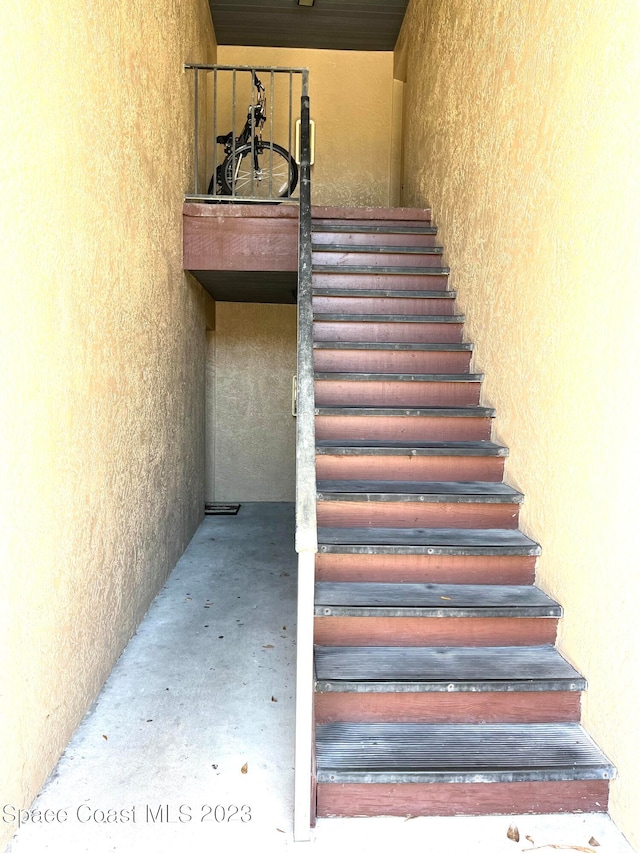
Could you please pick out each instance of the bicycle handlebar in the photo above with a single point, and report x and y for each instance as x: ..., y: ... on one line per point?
x: 257, y: 83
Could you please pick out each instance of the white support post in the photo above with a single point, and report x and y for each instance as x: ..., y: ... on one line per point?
x: 304, y: 699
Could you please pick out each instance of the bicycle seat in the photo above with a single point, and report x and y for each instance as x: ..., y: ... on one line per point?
x: 223, y: 140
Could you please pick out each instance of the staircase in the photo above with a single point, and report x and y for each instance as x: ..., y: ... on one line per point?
x: 438, y: 687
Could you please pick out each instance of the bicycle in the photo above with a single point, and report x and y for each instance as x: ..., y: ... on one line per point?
x: 254, y: 167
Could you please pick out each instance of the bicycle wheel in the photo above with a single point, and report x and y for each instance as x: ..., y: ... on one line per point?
x: 267, y: 171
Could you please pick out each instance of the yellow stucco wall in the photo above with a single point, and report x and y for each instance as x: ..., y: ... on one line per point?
x: 350, y: 94
x: 250, y: 428
x: 521, y: 130
x: 102, y: 351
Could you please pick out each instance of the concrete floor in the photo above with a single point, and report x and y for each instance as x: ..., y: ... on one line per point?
x: 190, y: 742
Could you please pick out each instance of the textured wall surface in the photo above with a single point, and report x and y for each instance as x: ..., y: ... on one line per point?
x: 102, y: 351
x: 350, y: 94
x: 521, y: 130
x: 251, y: 431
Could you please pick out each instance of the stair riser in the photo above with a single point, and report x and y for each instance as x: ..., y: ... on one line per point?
x: 422, y: 568
x: 501, y: 707
x: 377, y: 259
x: 336, y: 800
x: 403, y: 428
x: 391, y: 281
x: 362, y: 238
x: 390, y: 361
x: 335, y: 392
x: 382, y: 305
x: 433, y: 631
x: 424, y: 332
x: 483, y: 468
x: 409, y: 514
x: 369, y: 215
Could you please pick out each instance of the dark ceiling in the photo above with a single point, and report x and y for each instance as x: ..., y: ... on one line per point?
x: 329, y: 24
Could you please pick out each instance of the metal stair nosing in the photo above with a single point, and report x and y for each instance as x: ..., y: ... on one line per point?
x: 383, y: 228
x: 455, y: 669
x: 371, y: 447
x: 367, y: 269
x: 426, y: 541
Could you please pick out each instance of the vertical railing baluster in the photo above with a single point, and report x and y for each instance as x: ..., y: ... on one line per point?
x: 271, y: 134
x: 196, y: 166
x: 215, y: 134
x: 291, y: 116
x: 233, y: 135
x: 253, y: 130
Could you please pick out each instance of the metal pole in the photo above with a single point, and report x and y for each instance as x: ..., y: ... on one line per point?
x: 196, y: 166
x: 233, y: 136
x: 215, y: 131
x: 272, y: 93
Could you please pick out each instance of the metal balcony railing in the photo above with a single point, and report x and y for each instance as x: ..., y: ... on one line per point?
x: 246, y: 127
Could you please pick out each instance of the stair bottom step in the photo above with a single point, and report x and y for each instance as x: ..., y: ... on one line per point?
x: 424, y: 769
x: 448, y: 800
x: 422, y: 753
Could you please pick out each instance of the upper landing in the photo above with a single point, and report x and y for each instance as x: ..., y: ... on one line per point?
x: 249, y: 252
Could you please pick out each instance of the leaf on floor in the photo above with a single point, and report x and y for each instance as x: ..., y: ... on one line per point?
x: 245, y: 767
x: 105, y: 737
x: 513, y: 832
x: 593, y: 842
x: 273, y: 699
x: 530, y: 839
x: 268, y: 646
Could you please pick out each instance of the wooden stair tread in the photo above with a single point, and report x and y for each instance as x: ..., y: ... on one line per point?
x: 401, y: 599
x: 428, y: 491
x: 435, y: 540
x: 339, y: 317
x: 491, y: 752
x: 382, y: 228
x: 386, y: 345
x: 383, y: 294
x: 368, y: 269
x: 403, y: 411
x: 376, y: 249
x: 370, y: 669
x: 335, y: 376
x: 383, y: 447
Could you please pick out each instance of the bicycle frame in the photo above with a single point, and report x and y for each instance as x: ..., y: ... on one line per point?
x: 250, y: 133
